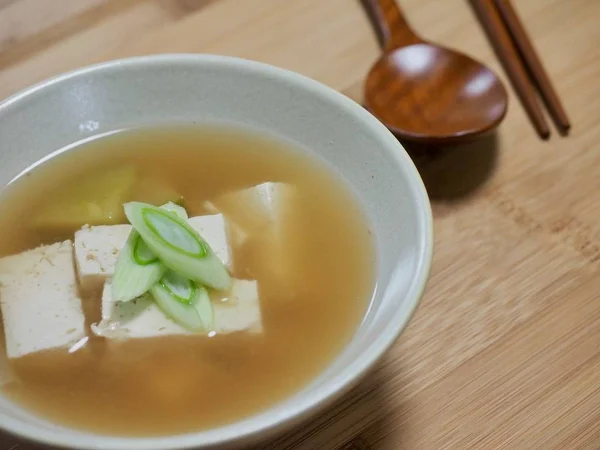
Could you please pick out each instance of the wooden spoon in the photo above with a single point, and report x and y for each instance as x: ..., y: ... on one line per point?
x: 427, y: 93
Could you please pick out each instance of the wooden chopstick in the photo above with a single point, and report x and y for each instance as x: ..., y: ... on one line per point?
x: 533, y: 64
x: 509, y: 57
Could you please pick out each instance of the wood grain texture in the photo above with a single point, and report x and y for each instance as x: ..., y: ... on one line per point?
x: 425, y: 92
x: 391, y: 24
x: 507, y: 53
x: 534, y: 65
x: 503, y: 351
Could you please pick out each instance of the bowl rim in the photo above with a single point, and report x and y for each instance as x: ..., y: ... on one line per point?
x: 266, y: 422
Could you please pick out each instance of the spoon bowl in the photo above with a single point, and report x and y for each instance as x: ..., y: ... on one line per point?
x: 427, y: 93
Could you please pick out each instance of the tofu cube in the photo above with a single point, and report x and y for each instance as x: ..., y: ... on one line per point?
x: 142, y: 318
x: 240, y: 309
x: 97, y: 248
x: 41, y: 308
x: 256, y: 208
x: 236, y: 237
x: 213, y: 229
x: 268, y: 215
x: 96, y: 252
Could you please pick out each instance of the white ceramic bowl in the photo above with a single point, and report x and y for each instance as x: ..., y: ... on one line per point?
x: 197, y: 88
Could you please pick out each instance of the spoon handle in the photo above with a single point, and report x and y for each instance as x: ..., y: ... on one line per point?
x: 392, y: 28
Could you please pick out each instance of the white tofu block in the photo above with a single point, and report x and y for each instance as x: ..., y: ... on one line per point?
x: 253, y: 209
x: 268, y: 213
x: 97, y: 248
x: 41, y: 308
x: 141, y: 318
x: 235, y: 235
x: 240, y: 309
x: 96, y: 252
x: 213, y: 229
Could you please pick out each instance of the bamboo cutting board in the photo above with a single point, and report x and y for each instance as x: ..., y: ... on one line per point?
x: 504, y: 351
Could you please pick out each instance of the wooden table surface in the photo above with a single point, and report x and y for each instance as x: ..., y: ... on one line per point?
x: 504, y: 351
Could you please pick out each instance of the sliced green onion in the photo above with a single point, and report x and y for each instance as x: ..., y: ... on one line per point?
x: 178, y: 245
x: 204, y: 307
x: 138, y: 268
x: 141, y: 253
x: 186, y: 315
x: 136, y: 271
x: 171, y: 288
x: 176, y: 209
x: 179, y: 288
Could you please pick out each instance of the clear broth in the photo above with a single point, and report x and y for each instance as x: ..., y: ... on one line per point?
x: 180, y: 384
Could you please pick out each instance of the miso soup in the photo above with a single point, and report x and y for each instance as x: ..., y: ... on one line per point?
x: 292, y: 274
